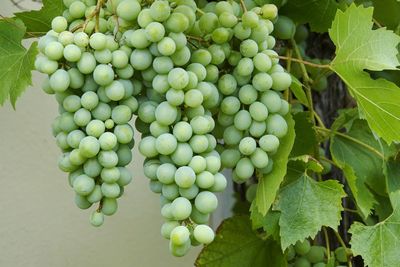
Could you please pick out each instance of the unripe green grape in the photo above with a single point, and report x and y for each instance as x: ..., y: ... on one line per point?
x: 276, y: 125
x: 227, y: 84
x: 203, y: 234
x: 269, y: 11
x: 82, y: 117
x: 110, y: 206
x: 110, y: 190
x: 241, y: 32
x: 81, y: 202
x: 77, y: 9
x: 198, y: 217
x: 170, y: 191
x: 247, y: 146
x: 177, y: 22
x: 65, y: 164
x: 245, y: 66
x: 87, y: 63
x: 249, y: 48
x: 89, y: 146
x: 316, y: 254
x: 108, y: 159
x: 251, y: 192
x: 125, y: 176
x: 160, y: 10
x: 212, y: 73
x: 182, y: 154
x: 220, y: 35
x: 147, y: 147
x: 180, y: 236
x: 128, y: 9
x: 76, y: 158
x: 262, y: 82
x: 208, y: 22
x: 201, y: 125
x: 181, y: 208
x: 72, y: 53
x: 230, y: 157
x: 284, y: 28
x: 110, y: 175
x: 341, y: 254
x: 217, y: 53
x: 302, y: 247
x: 242, y: 120
x: 61, y: 140
x: 92, y: 167
x: 259, y: 158
x: 247, y: 94
x: 258, y: 111
x: 74, y: 138
x: 95, y: 128
x: 121, y: 114
x: 205, y: 180
x: 144, y: 18
x: 182, y: 131
x: 271, y: 100
x: 201, y: 56
x: 72, y: 103
x: 189, y: 193
x: 167, y: 228
x: 250, y: 19
x: 103, y: 75
x: 281, y: 81
x: 77, y: 79
x: 139, y: 40
x: 227, y: 19
x: 244, y: 169
x: 141, y: 59
x: 102, y: 111
x: 302, y: 262
x: 103, y: 56
x: 124, y: 155
x: 126, y: 72
x: 232, y: 135
x: 59, y: 81
x: 206, y: 202
x: 199, y: 143
x: 48, y: 66
x: 260, y: 33
x: 67, y: 123
x: 175, y: 97
x: 262, y: 62
x: 96, y: 218
x: 83, y: 185
x: 166, y: 144
x: 59, y: 24
x: 123, y: 133
x: 165, y: 113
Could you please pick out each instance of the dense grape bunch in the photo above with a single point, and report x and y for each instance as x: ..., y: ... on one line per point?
x: 90, y: 75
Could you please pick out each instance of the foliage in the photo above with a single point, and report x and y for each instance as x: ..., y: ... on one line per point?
x: 334, y: 172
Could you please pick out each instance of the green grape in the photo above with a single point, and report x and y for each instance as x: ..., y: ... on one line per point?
x: 341, y: 254
x: 198, y: 217
x: 141, y: 59
x: 110, y: 206
x: 59, y: 81
x: 197, y: 69
x: 67, y: 123
x: 167, y: 228
x: 244, y: 169
x: 124, y: 155
x: 89, y: 146
x: 302, y: 262
x: 160, y: 10
x: 257, y: 128
x: 97, y: 218
x: 251, y: 192
x: 301, y: 33
x: 302, y: 248
x: 182, y: 155
x: 177, y: 22
x: 205, y: 180
x: 262, y: 62
x: 198, y: 164
x: 103, y: 56
x: 102, y: 112
x: 166, y: 144
x: 281, y: 81
x: 227, y: 84
x: 181, y: 208
x: 179, y: 39
x: 165, y: 113
x: 103, y: 75
x: 124, y: 133
x: 77, y: 9
x: 203, y: 234
x: 316, y: 254
x: 72, y: 53
x: 110, y: 190
x: 182, y: 131
x: 250, y: 19
x: 108, y: 159
x: 163, y: 65
x: 95, y: 128
x: 81, y: 202
x: 119, y: 59
x: 89, y: 100
x: 206, y: 202
x: 74, y: 138
x: 128, y: 9
x: 87, y: 63
x: 230, y: 157
x: 199, y: 143
x: 107, y: 141
x: 245, y: 67
x: 258, y: 111
x: 72, y: 103
x: 147, y: 147
x: 271, y: 100
x: 262, y: 82
x: 276, y: 125
x: 189, y: 193
x: 96, y: 195
x: 92, y: 167
x: 247, y: 146
x: 201, y: 125
x: 166, y: 173
x: 178, y: 78
x: 110, y: 175
x: 220, y: 35
x: 193, y: 98
x: 170, y: 191
x: 249, y: 48
x: 176, y: 97
x: 98, y: 41
x: 83, y: 185
x: 242, y: 120
x: 208, y: 22
x: 284, y: 28
x: 121, y: 114
x: 218, y: 54
x: 232, y: 135
x: 227, y: 19
x: 241, y: 32
x: 269, y: 11
x: 201, y: 56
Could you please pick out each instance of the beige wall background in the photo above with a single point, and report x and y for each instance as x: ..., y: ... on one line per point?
x: 39, y: 223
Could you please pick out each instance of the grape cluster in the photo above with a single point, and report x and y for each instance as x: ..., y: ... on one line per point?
x: 90, y: 75
x: 201, y: 79
x: 303, y: 254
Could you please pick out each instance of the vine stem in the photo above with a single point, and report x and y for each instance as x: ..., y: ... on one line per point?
x: 321, y: 66
x: 243, y: 5
x: 370, y: 148
x: 200, y: 11
x: 343, y: 244
x: 328, y: 248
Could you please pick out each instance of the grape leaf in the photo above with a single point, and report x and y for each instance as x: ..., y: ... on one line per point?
x: 360, y: 165
x: 387, y: 13
x: 306, y: 206
x: 305, y: 135
x: 319, y: 14
x: 237, y: 245
x: 38, y: 22
x: 379, y: 245
x: 358, y: 47
x: 297, y: 89
x: 17, y: 62
x: 269, y: 222
x: 269, y: 184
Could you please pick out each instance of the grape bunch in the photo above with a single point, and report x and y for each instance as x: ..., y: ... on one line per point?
x: 90, y: 75
x: 205, y: 87
x: 303, y: 254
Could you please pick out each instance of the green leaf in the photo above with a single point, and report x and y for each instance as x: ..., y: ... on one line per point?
x: 379, y: 245
x: 38, y: 22
x: 362, y: 167
x: 309, y: 163
x: 305, y: 135
x: 306, y: 206
x: 319, y: 14
x: 17, y: 62
x: 269, y: 222
x: 345, y: 119
x: 297, y: 89
x: 269, y: 184
x: 237, y: 245
x: 358, y: 47
x: 387, y: 13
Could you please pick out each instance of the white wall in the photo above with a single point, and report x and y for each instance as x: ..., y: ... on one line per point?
x: 39, y: 223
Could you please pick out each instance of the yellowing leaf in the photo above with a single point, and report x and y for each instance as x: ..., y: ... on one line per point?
x: 358, y: 47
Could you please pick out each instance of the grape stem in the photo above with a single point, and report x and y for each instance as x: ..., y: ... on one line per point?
x: 198, y: 39
x: 321, y: 66
x: 328, y: 248
x: 243, y: 5
x: 348, y: 137
x: 95, y: 13
x: 200, y: 11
